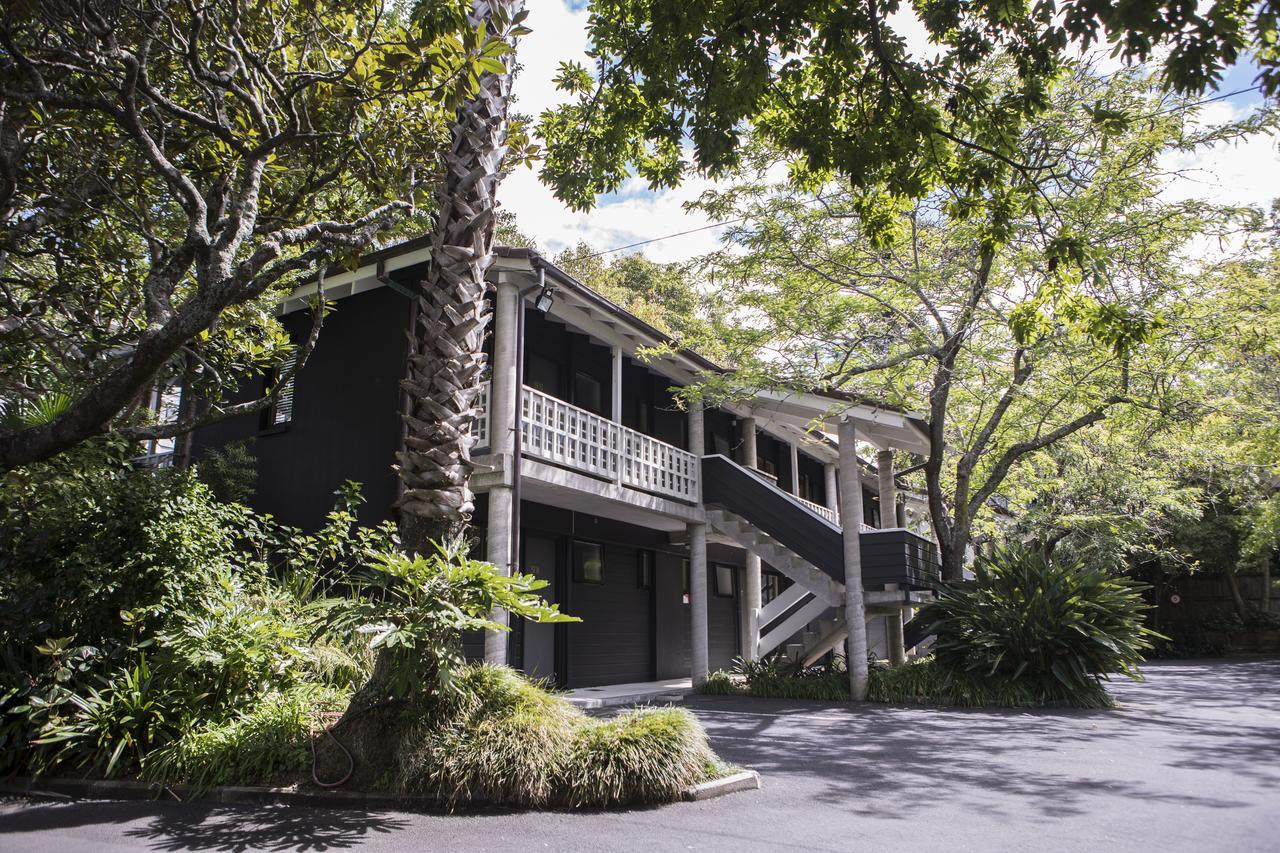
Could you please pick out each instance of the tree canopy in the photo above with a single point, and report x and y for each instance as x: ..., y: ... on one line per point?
x: 836, y: 87
x: 168, y: 170
x: 1007, y: 346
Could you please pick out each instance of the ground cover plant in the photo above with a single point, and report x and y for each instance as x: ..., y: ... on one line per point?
x: 150, y: 630
x: 139, y: 612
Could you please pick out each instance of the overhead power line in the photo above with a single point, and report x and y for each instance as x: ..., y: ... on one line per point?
x: 1202, y: 102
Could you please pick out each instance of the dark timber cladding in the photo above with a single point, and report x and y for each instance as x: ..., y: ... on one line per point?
x: 629, y: 632
x: 346, y: 422
x: 891, y: 556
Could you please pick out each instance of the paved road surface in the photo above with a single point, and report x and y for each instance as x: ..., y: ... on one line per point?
x: 1191, y: 761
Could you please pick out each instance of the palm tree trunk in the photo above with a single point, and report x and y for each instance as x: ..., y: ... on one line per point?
x: 445, y: 357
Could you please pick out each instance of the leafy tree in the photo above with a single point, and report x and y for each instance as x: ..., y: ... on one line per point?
x: 834, y: 86
x: 673, y: 298
x: 1010, y: 332
x: 168, y: 170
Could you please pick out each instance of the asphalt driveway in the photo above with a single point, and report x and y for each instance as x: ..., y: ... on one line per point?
x: 1190, y: 761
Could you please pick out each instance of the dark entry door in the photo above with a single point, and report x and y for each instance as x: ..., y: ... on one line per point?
x: 540, y: 640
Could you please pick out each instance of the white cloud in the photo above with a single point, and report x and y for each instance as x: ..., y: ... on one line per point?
x: 1241, y: 172
x: 636, y: 213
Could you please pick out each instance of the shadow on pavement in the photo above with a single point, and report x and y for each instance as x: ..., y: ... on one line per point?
x: 1001, y: 762
x: 201, y: 826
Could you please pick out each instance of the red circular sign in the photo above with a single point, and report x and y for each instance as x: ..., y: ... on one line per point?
x: 1175, y: 599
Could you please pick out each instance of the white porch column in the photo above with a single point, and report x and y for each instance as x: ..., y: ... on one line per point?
x: 698, y: 633
x: 751, y: 602
x: 698, y: 658
x: 502, y: 409
x: 829, y: 486
x: 854, y: 607
x: 888, y: 491
x: 795, y: 468
x: 616, y: 408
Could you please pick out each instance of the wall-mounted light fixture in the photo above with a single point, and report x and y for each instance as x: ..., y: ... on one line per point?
x: 546, y: 293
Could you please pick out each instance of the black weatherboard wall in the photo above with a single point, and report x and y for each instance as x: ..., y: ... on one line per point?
x: 345, y: 424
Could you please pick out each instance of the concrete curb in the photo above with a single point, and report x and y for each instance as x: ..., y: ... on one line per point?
x: 747, y: 780
x: 91, y: 789
x: 230, y: 794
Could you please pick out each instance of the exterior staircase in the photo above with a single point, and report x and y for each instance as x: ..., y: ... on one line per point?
x: 807, y: 619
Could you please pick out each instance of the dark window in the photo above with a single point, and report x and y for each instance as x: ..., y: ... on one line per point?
x: 684, y: 577
x: 725, y: 574
x: 281, y: 411
x: 644, y: 570
x: 806, y: 488
x: 542, y: 374
x: 588, y: 562
x: 770, y: 587
x: 587, y: 392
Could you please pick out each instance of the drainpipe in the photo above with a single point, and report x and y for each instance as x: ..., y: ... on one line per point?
x: 517, y: 440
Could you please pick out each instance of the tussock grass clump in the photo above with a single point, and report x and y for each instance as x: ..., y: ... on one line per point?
x: 269, y: 743
x: 500, y: 739
x: 497, y: 739
x: 645, y: 756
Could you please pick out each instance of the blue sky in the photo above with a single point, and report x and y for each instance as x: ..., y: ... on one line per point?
x: 1246, y: 173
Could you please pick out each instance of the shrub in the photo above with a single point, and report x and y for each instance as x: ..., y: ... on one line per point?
x: 499, y: 739
x: 270, y: 743
x: 776, y: 677
x: 116, y: 581
x: 414, y: 610
x: 230, y: 472
x: 496, y: 738
x: 720, y: 683
x: 1055, y: 630
x: 923, y: 682
x: 646, y: 756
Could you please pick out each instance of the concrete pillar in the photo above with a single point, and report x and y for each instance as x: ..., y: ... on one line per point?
x: 616, y: 408
x: 888, y: 491
x: 795, y: 468
x: 829, y: 483
x: 854, y: 607
x: 698, y: 634
x: 893, y: 633
x: 502, y: 408
x: 697, y: 435
x: 751, y: 599
x: 698, y: 602
x: 499, y: 547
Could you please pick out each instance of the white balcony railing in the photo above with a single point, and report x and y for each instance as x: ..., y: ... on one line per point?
x: 825, y: 512
x: 557, y: 432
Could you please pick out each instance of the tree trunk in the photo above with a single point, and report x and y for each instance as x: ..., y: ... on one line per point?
x: 1266, y: 585
x: 951, y: 553
x: 1242, y: 610
x: 445, y: 340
